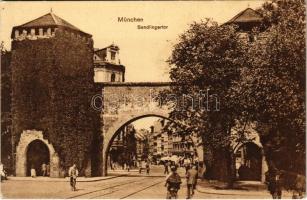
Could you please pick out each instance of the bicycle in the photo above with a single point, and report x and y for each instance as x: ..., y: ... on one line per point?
x: 73, y: 181
x: 172, y: 193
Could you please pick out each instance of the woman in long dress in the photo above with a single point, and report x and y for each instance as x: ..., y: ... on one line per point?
x: 33, y: 172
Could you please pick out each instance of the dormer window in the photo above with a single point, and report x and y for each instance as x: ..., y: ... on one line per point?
x: 113, y: 55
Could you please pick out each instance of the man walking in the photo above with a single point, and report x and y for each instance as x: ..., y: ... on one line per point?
x: 191, y: 181
x: 44, y: 169
x: 73, y: 174
x: 166, y: 167
x: 274, y: 182
x: 140, y: 167
x: 48, y: 169
x: 147, y: 168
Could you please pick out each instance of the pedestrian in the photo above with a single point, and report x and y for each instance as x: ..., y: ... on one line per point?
x: 140, y: 167
x: 44, y: 169
x: 191, y: 181
x: 48, y: 169
x: 147, y: 168
x: 113, y: 166
x: 73, y: 174
x: 33, y: 172
x: 166, y: 167
x: 173, y: 182
x: 2, y: 172
x: 187, y: 163
x: 299, y: 187
x: 187, y: 167
x: 128, y: 166
x: 201, y: 170
x: 272, y: 178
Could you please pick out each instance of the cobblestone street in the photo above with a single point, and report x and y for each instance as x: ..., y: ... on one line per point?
x: 120, y: 186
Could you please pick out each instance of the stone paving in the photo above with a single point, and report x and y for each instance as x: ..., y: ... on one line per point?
x: 123, y: 184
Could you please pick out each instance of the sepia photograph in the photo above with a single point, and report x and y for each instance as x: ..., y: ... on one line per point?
x: 153, y: 99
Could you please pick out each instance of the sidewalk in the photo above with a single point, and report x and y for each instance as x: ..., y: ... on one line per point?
x: 66, y: 179
x: 155, y: 171
x: 246, y: 188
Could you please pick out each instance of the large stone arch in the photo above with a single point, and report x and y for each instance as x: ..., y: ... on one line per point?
x: 124, y: 103
x: 26, y: 138
x: 111, y: 132
x: 122, y: 120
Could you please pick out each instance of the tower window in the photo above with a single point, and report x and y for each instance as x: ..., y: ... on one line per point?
x: 113, y: 77
x: 113, y: 55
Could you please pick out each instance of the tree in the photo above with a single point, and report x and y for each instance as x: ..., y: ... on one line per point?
x: 205, y: 63
x: 272, y: 88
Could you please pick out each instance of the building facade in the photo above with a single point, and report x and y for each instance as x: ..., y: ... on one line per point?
x: 165, y: 144
x: 123, y: 149
x: 107, y: 66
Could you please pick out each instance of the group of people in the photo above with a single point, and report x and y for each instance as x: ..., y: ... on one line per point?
x: 277, y: 180
x: 173, y: 181
x: 45, y: 170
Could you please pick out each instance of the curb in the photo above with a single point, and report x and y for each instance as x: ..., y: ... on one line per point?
x: 215, y: 192
x: 262, y: 194
x: 67, y: 180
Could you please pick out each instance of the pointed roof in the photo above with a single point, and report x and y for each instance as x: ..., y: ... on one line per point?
x: 49, y: 19
x: 246, y: 16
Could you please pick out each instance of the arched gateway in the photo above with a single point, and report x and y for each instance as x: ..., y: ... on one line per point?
x: 124, y: 103
x: 32, y: 140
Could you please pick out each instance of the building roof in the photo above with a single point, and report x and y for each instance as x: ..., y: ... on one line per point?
x: 112, y: 46
x: 246, y: 16
x: 49, y: 19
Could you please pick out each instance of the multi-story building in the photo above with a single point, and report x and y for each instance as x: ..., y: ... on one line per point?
x: 165, y: 144
x: 246, y: 21
x: 142, y: 144
x: 107, y: 66
x: 129, y: 146
x: 123, y: 148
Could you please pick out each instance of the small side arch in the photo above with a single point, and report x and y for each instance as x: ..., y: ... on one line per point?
x: 250, y: 161
x: 27, y: 137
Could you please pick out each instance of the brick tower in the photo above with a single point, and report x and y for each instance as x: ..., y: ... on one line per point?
x: 52, y: 81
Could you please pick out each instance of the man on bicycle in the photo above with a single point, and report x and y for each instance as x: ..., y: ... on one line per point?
x: 73, y: 174
x: 173, y: 182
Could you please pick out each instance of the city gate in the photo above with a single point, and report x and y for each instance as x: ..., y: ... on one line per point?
x: 125, y: 102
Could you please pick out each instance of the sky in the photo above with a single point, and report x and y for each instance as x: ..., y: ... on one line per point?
x: 143, y: 52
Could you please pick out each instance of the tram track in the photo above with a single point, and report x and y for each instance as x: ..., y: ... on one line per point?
x: 106, y: 188
x: 141, y: 190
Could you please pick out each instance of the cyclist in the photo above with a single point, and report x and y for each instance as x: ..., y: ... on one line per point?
x: 73, y: 174
x: 173, y: 182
